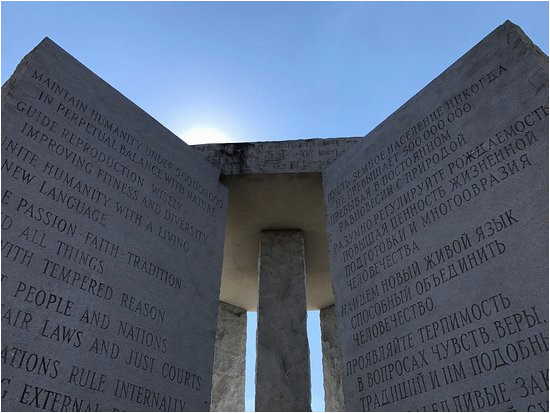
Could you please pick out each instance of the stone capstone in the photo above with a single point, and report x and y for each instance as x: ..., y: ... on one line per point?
x: 294, y: 156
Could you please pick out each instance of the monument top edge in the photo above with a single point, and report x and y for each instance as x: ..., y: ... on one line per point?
x: 276, y: 142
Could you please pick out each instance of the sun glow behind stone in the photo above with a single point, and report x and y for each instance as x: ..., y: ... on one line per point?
x: 204, y: 134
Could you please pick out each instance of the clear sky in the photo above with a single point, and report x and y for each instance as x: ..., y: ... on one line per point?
x: 265, y: 71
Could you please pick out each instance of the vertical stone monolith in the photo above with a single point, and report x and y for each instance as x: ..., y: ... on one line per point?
x: 229, y: 360
x: 332, y: 361
x: 438, y: 232
x: 112, y: 248
x: 282, y: 350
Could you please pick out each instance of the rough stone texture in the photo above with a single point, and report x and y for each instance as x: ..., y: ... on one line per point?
x: 229, y: 360
x: 438, y: 237
x: 302, y: 155
x: 112, y: 239
x: 282, y: 350
x: 332, y: 361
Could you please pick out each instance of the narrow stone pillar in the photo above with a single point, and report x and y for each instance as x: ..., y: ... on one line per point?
x: 332, y: 361
x: 282, y: 350
x: 229, y: 360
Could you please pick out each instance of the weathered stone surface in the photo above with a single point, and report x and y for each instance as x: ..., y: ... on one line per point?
x: 229, y: 360
x: 112, y: 238
x: 438, y: 237
x: 282, y: 350
x: 302, y: 155
x: 332, y: 361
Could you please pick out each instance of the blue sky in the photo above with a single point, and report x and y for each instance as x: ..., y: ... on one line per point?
x: 265, y: 71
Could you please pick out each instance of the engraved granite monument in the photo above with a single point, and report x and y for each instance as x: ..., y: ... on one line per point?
x: 438, y: 238
x: 112, y: 239
x: 129, y: 259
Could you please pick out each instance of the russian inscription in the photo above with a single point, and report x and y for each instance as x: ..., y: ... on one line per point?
x: 112, y: 239
x: 438, y: 240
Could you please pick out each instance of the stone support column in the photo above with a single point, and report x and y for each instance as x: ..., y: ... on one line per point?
x: 229, y: 360
x: 282, y: 350
x: 332, y: 361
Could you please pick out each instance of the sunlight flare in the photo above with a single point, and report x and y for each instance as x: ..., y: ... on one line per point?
x: 204, y: 134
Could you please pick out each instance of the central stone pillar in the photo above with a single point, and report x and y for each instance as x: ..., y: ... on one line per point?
x: 282, y: 350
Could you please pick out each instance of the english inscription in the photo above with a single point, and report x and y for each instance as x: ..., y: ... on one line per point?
x: 112, y: 239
